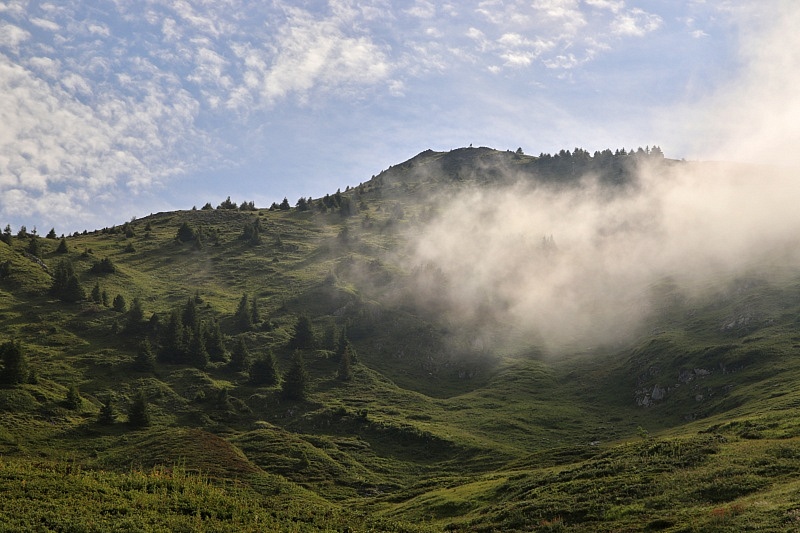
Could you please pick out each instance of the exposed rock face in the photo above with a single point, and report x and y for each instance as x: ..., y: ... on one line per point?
x: 646, y: 395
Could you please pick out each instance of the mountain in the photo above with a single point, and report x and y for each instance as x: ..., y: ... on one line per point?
x: 421, y: 386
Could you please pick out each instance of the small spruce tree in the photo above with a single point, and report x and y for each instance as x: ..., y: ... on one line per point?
x: 15, y: 363
x: 96, y: 295
x: 196, y: 350
x: 119, y: 303
x: 303, y: 336
x: 106, y: 415
x: 295, y: 381
x: 172, y: 342
x: 264, y: 371
x: 135, y: 315
x: 345, y: 370
x: 34, y: 248
x: 240, y: 356
x: 73, y: 400
x: 190, y: 318
x: 145, y: 360
x: 186, y: 233
x: 139, y: 411
x: 243, y: 316
x: 215, y: 344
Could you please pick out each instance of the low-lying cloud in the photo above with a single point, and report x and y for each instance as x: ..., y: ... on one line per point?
x: 577, y: 267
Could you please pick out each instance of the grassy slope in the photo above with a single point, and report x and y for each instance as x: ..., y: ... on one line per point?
x: 523, y: 443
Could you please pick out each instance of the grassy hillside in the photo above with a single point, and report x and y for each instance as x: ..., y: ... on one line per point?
x: 690, y: 426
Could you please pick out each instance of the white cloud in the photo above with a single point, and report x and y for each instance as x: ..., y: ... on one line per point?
x: 422, y: 9
x: 612, y: 5
x: 635, y: 23
x: 12, y: 36
x: 316, y: 53
x: 45, y: 24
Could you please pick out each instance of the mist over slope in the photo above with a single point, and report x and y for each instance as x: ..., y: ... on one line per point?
x: 575, y: 263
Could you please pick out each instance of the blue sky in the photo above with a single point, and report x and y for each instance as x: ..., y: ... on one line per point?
x: 112, y: 109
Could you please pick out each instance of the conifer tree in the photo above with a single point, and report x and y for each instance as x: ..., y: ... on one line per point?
x: 107, y: 416
x: 15, y: 363
x: 172, y: 343
x: 145, y: 360
x: 51, y: 234
x: 120, y: 305
x: 7, y: 237
x: 186, y: 233
x: 73, y: 400
x: 240, y: 356
x: 215, y: 344
x: 197, y: 353
x: 189, y: 316
x: 66, y: 286
x: 295, y: 381
x: 243, y: 316
x: 33, y: 247
x: 139, y: 411
x: 104, y: 298
x: 135, y: 315
x: 345, y: 370
x: 62, y: 247
x: 342, y: 342
x: 303, y: 336
x: 73, y: 292
x: 264, y: 370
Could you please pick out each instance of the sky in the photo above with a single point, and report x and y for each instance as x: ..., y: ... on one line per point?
x: 114, y: 109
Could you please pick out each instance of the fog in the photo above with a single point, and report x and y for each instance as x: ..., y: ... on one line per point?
x: 578, y: 267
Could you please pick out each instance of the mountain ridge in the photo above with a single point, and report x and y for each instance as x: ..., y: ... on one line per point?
x: 688, y: 423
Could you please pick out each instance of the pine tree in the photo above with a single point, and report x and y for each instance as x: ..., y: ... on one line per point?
x: 172, y: 344
x: 145, y: 360
x: 215, y: 344
x: 7, y: 237
x: 243, y: 316
x: 240, y: 356
x: 139, y: 411
x: 264, y: 370
x: 189, y: 316
x: 303, y: 337
x: 73, y: 292
x: 106, y: 416
x: 295, y: 381
x: 342, y: 342
x: 96, y: 294
x: 51, y: 234
x: 15, y: 363
x: 33, y: 247
x: 186, y: 233
x: 135, y: 315
x: 120, y: 305
x: 73, y: 400
x: 66, y: 286
x: 104, y: 298
x: 345, y: 370
x: 197, y: 353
